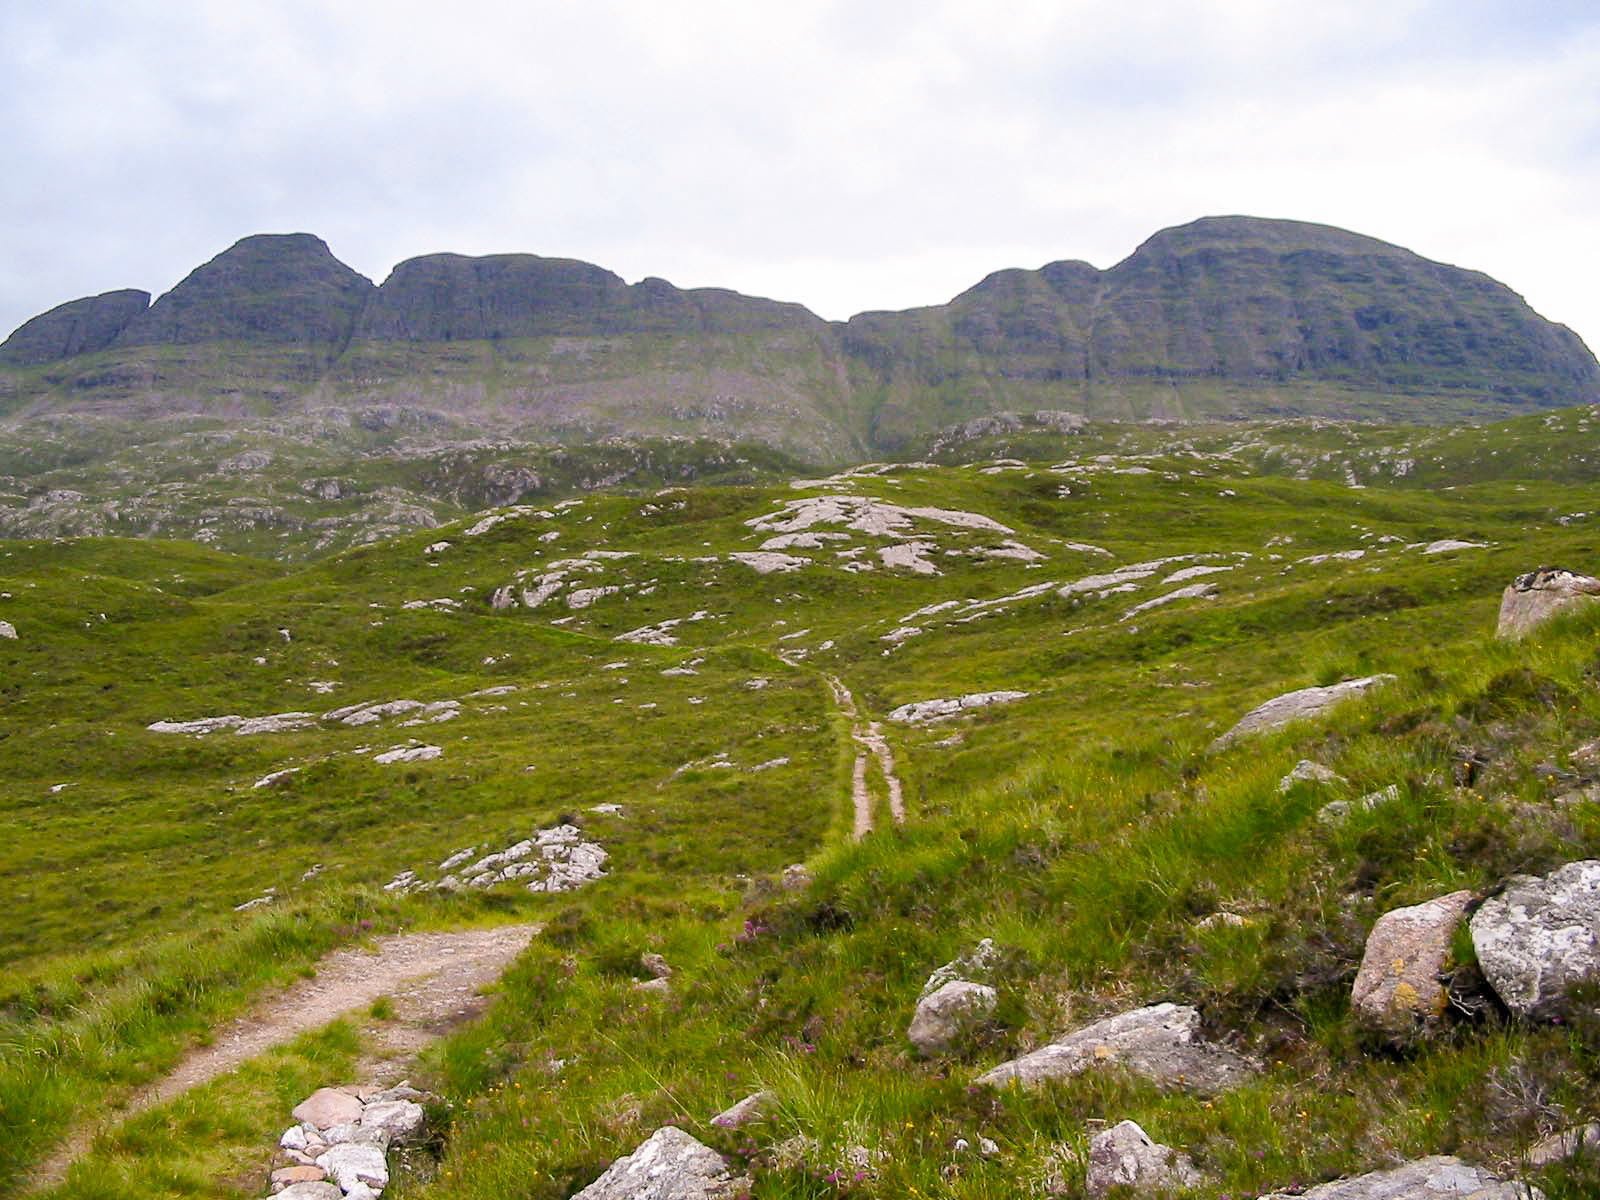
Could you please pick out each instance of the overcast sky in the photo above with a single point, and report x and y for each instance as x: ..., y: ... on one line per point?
x: 880, y: 154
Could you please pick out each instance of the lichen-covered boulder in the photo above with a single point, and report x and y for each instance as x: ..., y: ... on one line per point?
x: 1397, y: 990
x: 1540, y: 937
x: 1161, y: 1043
x: 1534, y: 598
x: 1125, y: 1156
x: 949, y: 1015
x: 670, y: 1165
x: 1437, y: 1178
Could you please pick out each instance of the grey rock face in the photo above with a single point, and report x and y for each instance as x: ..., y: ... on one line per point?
x: 1298, y: 706
x: 1161, y: 1042
x: 1541, y: 936
x: 1397, y: 990
x: 1569, y: 1143
x: 271, y: 288
x: 1437, y: 1178
x: 77, y: 327
x: 1125, y: 1156
x: 948, y: 1015
x: 1534, y: 598
x: 670, y: 1165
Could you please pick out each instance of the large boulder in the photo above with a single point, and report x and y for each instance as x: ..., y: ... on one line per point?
x: 949, y: 1015
x: 1541, y: 936
x: 1161, y: 1043
x: 1534, y: 598
x: 1397, y: 990
x: 1124, y: 1156
x: 670, y: 1165
x: 1298, y: 706
x: 1437, y: 1178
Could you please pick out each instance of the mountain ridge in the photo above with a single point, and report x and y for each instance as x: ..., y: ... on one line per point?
x: 1225, y: 316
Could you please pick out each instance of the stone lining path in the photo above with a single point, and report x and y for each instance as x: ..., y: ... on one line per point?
x: 432, y: 979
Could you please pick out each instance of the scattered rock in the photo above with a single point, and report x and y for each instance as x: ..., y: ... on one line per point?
x: 1300, y: 705
x: 1124, y: 1156
x: 1306, y: 771
x: 1161, y: 1043
x: 977, y: 965
x: 1437, y: 1178
x: 1224, y: 920
x: 922, y: 711
x: 1539, y: 937
x: 767, y: 562
x: 1397, y: 990
x: 796, y: 877
x: 1338, y: 810
x: 1534, y: 598
x: 671, y: 1165
x: 356, y: 1162
x: 327, y: 1107
x: 751, y: 1109
x: 407, y: 754
x: 656, y: 965
x: 8, y: 630
x: 950, y: 1014
x: 1446, y: 545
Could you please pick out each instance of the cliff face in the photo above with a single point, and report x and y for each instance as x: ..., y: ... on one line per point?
x: 1227, y: 316
x: 77, y: 327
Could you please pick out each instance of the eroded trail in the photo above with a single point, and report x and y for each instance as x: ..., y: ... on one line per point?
x: 868, y: 736
x: 433, y: 981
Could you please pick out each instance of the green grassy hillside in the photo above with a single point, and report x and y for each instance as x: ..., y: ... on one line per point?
x: 669, y: 652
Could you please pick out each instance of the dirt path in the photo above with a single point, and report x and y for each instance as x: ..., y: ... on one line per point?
x: 868, y: 735
x: 432, y: 980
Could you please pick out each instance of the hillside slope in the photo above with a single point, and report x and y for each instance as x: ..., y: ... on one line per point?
x: 186, y: 732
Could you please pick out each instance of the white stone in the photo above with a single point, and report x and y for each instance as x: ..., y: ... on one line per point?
x: 1540, y: 937
x: 354, y: 1163
x: 1125, y: 1156
x: 670, y: 1165
x: 407, y: 754
x: 1298, y: 706
x: 922, y: 711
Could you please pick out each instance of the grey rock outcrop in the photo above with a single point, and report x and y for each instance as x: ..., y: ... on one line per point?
x: 1437, y: 1178
x: 1541, y: 936
x: 1125, y: 1156
x: 947, y: 1016
x: 1161, y: 1043
x: 1300, y: 705
x: 670, y: 1165
x: 976, y: 965
x: 1534, y: 598
x: 77, y: 327
x: 1397, y: 990
x: 1306, y: 771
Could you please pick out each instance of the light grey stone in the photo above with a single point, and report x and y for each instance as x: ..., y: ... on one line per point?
x: 948, y: 1015
x: 8, y: 630
x: 1541, y: 936
x: 1397, y: 990
x: 1437, y: 1178
x: 1306, y: 771
x: 356, y: 1162
x: 1534, y: 598
x: 400, y: 1121
x: 752, y: 1108
x: 1161, y: 1043
x: 656, y: 965
x: 976, y: 965
x: 1332, y: 814
x: 1124, y: 1156
x: 311, y: 1191
x: 670, y: 1165
x: 294, y: 1138
x: 357, y: 1132
x: 1301, y: 705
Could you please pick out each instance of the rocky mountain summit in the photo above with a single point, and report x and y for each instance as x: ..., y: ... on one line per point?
x: 1227, y: 316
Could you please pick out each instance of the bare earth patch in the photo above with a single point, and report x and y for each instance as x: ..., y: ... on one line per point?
x: 433, y: 981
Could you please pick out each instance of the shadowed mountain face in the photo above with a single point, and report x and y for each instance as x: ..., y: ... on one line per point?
x: 77, y: 327
x: 272, y: 288
x: 1227, y: 316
